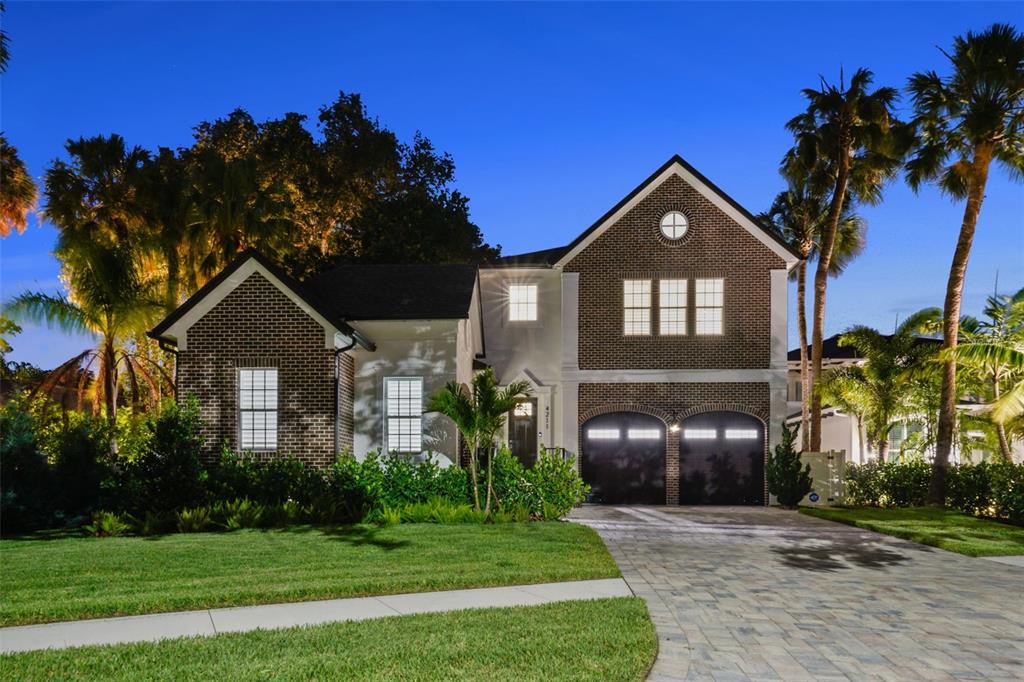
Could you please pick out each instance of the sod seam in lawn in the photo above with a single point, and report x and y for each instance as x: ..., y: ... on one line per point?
x: 942, y: 528
x: 606, y: 639
x: 75, y: 578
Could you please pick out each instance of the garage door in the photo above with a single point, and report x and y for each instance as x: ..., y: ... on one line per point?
x: 624, y: 458
x: 721, y: 459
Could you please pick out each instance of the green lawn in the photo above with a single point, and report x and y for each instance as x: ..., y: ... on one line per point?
x: 607, y: 639
x: 73, y: 577
x: 932, y: 526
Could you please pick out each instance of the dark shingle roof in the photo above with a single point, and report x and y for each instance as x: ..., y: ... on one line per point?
x: 397, y: 292
x: 533, y: 259
x: 831, y: 350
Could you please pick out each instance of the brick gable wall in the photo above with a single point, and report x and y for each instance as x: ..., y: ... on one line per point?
x: 256, y: 325
x: 669, y: 401
x: 634, y: 248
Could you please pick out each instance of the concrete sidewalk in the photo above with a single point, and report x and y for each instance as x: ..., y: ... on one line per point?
x: 241, y: 619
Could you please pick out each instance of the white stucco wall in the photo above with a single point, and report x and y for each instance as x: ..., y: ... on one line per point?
x: 423, y: 348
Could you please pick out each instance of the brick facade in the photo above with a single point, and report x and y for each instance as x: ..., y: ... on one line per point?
x: 671, y: 402
x: 714, y: 246
x: 256, y: 325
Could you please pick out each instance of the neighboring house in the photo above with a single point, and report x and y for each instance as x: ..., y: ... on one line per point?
x: 843, y: 431
x: 654, y: 343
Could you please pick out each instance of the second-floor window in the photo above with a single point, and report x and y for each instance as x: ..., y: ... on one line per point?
x: 403, y: 400
x: 672, y: 307
x: 637, y: 307
x: 709, y: 301
x: 522, y: 302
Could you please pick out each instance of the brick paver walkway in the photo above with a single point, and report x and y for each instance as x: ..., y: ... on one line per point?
x: 753, y: 593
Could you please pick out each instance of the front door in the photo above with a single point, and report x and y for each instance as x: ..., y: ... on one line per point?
x: 522, y: 431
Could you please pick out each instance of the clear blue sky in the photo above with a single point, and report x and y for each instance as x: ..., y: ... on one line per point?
x: 552, y: 112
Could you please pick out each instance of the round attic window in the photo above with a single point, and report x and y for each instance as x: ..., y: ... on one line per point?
x: 674, y: 225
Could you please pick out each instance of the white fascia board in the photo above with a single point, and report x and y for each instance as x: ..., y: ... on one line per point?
x: 705, y: 191
x: 178, y: 331
x: 680, y: 376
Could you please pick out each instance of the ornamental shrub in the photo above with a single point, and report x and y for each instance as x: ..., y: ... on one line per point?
x: 969, y: 488
x: 788, y: 479
x: 556, y: 485
x: 25, y: 476
x: 1007, y: 482
x: 888, y: 484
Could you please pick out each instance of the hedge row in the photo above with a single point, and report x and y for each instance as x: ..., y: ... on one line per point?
x: 65, y: 475
x: 984, y: 489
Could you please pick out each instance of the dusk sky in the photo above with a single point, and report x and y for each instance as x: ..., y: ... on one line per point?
x: 551, y: 112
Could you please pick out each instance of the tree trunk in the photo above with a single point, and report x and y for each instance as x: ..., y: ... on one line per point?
x: 472, y: 475
x: 109, y: 379
x: 828, y: 242
x: 862, y: 436
x: 883, y: 448
x: 173, y: 278
x: 805, y: 375
x: 490, y: 478
x: 1004, y: 444
x: 951, y: 321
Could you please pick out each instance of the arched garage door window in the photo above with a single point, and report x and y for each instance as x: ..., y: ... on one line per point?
x: 623, y: 458
x: 721, y: 459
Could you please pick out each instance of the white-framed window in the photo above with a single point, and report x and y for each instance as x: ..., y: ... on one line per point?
x: 522, y: 302
x: 740, y: 434
x: 603, y: 434
x: 674, y: 225
x: 643, y: 434
x: 709, y: 301
x: 700, y: 434
x: 523, y: 409
x: 672, y: 307
x: 257, y: 409
x: 403, y: 402
x: 636, y: 296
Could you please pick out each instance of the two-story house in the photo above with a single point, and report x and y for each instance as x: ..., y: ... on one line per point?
x: 654, y: 343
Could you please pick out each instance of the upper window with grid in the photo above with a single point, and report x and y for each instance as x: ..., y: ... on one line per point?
x: 637, y: 307
x: 257, y: 407
x: 672, y: 307
x: 522, y: 302
x: 709, y: 301
x: 403, y: 398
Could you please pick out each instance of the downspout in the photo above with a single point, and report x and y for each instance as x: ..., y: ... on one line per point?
x: 337, y: 389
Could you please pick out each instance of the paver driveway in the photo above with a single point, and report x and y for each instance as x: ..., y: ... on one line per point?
x: 754, y: 593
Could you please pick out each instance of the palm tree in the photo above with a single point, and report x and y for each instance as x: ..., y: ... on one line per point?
x: 994, y: 347
x: 798, y: 214
x: 166, y: 209
x: 108, y: 300
x: 963, y: 122
x: 17, y: 190
x: 848, y: 133
x: 479, y: 414
x: 98, y: 194
x: 878, y: 391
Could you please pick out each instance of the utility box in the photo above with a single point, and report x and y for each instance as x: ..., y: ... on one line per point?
x: 827, y: 478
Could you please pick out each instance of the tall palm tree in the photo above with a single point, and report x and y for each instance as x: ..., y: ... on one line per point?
x: 849, y: 133
x: 799, y: 214
x: 166, y: 209
x: 17, y: 190
x: 964, y: 121
x: 878, y: 390
x: 97, y: 196
x: 479, y: 413
x: 994, y: 348
x: 108, y: 300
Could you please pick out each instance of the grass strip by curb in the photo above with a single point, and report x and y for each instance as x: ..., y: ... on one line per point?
x: 606, y: 639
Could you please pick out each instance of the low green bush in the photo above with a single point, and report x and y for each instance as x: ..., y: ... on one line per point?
x: 993, y: 489
x: 107, y: 525
x: 194, y: 520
